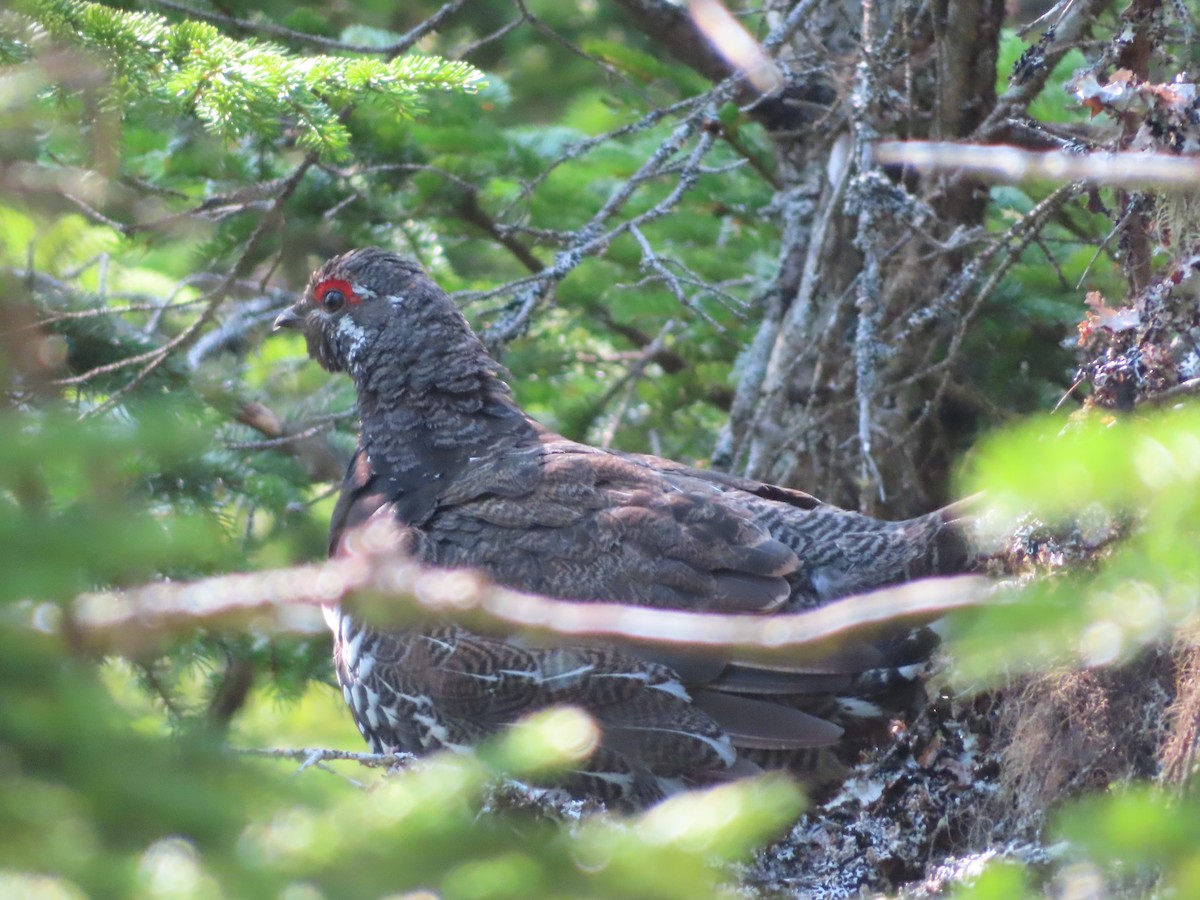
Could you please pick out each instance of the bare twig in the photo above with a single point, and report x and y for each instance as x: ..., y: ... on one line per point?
x: 322, y: 460
x: 1013, y: 242
x: 591, y: 240
x: 571, y: 47
x: 391, y: 590
x: 627, y: 384
x: 1058, y: 43
x: 266, y: 422
x: 1013, y: 165
x: 273, y: 30
x: 153, y: 359
x: 96, y: 216
x: 310, y: 756
x: 869, y: 186
x: 1188, y: 388
x: 102, y: 311
x: 479, y: 43
x: 651, y: 261
x: 472, y: 212
x: 581, y: 148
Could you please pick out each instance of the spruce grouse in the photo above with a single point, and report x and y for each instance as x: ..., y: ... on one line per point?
x: 446, y: 451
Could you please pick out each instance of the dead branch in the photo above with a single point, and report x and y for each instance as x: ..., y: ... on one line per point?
x: 395, y: 591
x: 1015, y: 165
x: 151, y: 360
x: 310, y: 756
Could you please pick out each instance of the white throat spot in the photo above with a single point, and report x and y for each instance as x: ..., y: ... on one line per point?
x: 355, y: 335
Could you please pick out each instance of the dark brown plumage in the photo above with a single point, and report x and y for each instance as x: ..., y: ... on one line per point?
x: 445, y: 450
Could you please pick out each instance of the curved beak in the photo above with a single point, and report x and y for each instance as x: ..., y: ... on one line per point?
x: 289, y: 318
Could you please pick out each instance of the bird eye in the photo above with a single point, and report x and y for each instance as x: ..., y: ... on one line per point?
x: 333, y: 300
x: 334, y: 293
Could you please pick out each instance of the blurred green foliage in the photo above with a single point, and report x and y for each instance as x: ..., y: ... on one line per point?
x: 116, y: 777
x: 1121, y: 492
x: 1128, y: 483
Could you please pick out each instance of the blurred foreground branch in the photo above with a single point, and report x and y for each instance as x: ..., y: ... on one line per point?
x: 394, y: 591
x: 1013, y: 165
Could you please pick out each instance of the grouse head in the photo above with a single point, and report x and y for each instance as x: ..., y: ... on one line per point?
x: 372, y: 311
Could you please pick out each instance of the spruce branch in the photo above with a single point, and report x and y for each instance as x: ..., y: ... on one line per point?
x: 249, y: 87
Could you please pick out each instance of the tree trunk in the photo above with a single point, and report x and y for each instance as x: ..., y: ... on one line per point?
x: 835, y: 392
